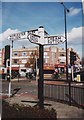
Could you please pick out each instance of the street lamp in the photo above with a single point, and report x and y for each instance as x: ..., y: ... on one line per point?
x: 65, y: 11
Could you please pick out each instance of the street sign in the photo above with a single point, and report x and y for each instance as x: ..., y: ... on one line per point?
x: 33, y: 38
x: 54, y: 40
x: 36, y: 39
x: 18, y: 36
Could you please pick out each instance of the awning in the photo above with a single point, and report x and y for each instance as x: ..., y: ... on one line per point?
x: 59, y: 65
x: 13, y: 68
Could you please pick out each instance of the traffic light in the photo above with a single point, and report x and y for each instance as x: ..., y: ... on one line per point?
x: 7, y: 54
x: 72, y: 57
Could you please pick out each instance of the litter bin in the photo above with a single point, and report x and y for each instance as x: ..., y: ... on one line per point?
x: 78, y: 78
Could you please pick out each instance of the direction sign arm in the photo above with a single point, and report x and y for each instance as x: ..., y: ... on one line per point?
x: 33, y: 38
x: 54, y: 40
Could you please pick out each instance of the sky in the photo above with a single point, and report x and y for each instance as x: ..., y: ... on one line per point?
x: 23, y: 16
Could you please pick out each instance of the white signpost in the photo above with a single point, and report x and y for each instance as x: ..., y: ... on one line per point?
x: 18, y: 36
x: 50, y: 40
x: 54, y: 40
x: 38, y: 37
x: 34, y: 38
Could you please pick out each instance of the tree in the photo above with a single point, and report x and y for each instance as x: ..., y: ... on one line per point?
x: 32, y: 60
x: 30, y: 63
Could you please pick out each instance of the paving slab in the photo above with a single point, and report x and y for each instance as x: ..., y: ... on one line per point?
x: 63, y: 110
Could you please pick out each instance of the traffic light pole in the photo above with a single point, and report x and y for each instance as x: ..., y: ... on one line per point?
x: 10, y: 70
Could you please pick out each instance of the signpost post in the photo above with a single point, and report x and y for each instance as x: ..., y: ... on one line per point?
x: 41, y: 79
x: 40, y: 40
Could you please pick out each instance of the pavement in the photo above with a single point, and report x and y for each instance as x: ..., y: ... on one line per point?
x: 63, y: 110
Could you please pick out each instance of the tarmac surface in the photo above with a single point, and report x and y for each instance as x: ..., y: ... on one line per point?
x: 63, y: 110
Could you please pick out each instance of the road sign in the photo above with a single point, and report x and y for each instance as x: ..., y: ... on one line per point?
x: 18, y: 36
x: 54, y: 40
x: 49, y: 40
x: 33, y: 38
x: 36, y: 39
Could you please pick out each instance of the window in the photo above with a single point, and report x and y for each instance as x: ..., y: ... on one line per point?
x: 15, y: 53
x: 61, y: 54
x: 16, y: 61
x: 45, y: 53
x: 24, y: 53
x: 62, y: 62
x: 24, y: 61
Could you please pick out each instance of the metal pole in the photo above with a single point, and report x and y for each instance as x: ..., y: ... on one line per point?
x: 66, y: 10
x: 66, y: 45
x: 18, y: 73
x: 11, y: 50
x: 36, y: 70
x: 72, y: 78
x: 40, y: 80
x: 10, y: 70
x: 69, y: 81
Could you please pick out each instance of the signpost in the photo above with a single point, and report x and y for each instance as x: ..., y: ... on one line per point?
x: 54, y: 40
x: 34, y: 38
x: 40, y: 39
x: 49, y: 40
x: 18, y: 36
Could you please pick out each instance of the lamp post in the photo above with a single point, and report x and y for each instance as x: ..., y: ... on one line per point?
x: 65, y: 11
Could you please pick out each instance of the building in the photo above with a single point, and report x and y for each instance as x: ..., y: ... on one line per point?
x: 53, y: 57
x: 21, y: 56
x: 56, y: 57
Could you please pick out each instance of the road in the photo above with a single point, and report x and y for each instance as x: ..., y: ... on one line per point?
x: 20, y: 87
x: 23, y: 86
x: 31, y: 88
x: 26, y: 87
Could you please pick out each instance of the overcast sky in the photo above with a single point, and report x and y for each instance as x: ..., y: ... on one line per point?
x: 24, y: 16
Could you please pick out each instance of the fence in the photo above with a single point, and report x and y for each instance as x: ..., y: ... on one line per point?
x: 61, y: 93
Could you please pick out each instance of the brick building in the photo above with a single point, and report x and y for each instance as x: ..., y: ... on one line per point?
x: 53, y: 57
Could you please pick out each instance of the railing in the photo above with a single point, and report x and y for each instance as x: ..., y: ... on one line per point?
x: 61, y: 93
